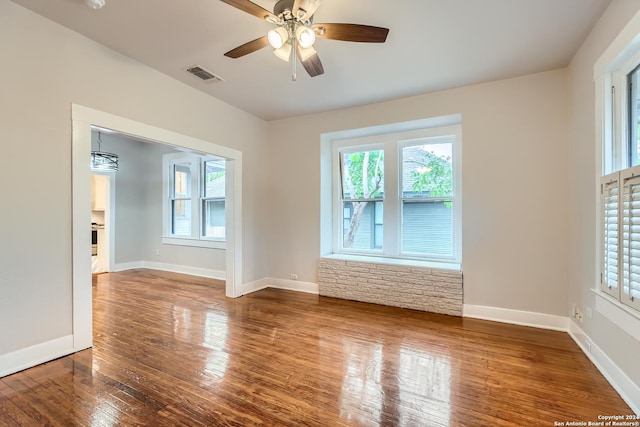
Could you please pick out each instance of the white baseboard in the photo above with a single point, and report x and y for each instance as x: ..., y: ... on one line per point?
x: 516, y: 317
x: 626, y: 388
x: 123, y: 266
x: 288, y: 285
x: 174, y: 268
x: 294, y: 285
x: 256, y: 286
x: 16, y: 361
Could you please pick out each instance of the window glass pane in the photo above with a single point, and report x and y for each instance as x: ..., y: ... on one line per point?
x: 181, y: 217
x: 634, y: 116
x: 363, y: 175
x: 360, y: 228
x: 182, y: 181
x: 214, y: 219
x: 427, y: 170
x: 214, y: 178
x: 427, y: 228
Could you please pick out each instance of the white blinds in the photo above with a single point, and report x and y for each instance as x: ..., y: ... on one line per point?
x: 620, y: 236
x: 630, y: 213
x: 610, y: 211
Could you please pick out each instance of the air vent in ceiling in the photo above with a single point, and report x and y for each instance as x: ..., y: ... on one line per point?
x: 203, y: 74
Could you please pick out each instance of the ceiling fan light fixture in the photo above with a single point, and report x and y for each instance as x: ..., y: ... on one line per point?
x: 278, y: 37
x: 95, y: 4
x: 284, y: 52
x: 306, y: 36
x: 301, y: 14
x: 306, y: 53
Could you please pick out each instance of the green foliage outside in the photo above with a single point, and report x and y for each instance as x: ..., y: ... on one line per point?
x: 433, y: 176
x: 363, y: 178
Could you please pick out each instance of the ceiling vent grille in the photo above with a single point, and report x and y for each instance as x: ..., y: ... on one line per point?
x: 203, y: 74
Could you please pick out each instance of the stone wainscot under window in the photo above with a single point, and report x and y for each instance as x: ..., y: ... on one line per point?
x: 418, y: 288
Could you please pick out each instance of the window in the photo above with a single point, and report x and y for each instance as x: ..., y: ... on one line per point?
x: 620, y: 235
x: 181, y: 200
x: 213, y: 201
x: 362, y: 179
x: 195, y: 208
x: 398, y: 195
x: 634, y: 115
x: 427, y: 197
x: 618, y: 84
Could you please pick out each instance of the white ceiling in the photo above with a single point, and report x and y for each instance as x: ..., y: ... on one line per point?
x: 432, y: 45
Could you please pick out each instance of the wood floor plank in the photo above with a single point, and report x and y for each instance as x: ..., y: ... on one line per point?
x: 171, y: 350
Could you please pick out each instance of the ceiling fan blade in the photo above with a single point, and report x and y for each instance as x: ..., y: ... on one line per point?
x: 304, y: 9
x: 248, y: 47
x: 351, y: 32
x: 313, y: 65
x: 251, y: 8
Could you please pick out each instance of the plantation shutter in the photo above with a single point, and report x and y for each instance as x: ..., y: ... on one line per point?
x: 630, y: 180
x: 610, y: 238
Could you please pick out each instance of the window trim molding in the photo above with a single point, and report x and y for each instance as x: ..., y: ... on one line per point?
x: 366, y: 138
x: 610, y: 152
x: 186, y: 241
x: 627, y: 318
x: 196, y: 239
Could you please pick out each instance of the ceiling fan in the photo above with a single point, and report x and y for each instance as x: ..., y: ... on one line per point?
x: 295, y: 33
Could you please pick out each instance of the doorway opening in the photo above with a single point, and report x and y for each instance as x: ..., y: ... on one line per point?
x: 83, y: 119
x: 102, y: 227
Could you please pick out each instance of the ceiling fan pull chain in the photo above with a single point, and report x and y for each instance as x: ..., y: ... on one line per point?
x: 294, y: 60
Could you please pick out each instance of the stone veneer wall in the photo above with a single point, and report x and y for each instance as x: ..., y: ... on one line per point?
x: 418, y: 288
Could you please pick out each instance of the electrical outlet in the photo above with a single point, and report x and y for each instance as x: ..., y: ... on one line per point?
x: 579, y: 316
x: 294, y: 276
x: 157, y: 252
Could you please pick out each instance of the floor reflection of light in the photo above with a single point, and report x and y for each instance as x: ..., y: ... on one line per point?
x: 182, y: 323
x: 215, y: 339
x: 424, y: 388
x: 362, y: 395
x: 403, y: 385
x: 105, y: 415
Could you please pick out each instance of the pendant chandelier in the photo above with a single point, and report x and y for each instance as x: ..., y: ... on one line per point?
x: 102, y: 161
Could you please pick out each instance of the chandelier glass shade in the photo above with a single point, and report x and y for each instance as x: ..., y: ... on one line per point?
x: 102, y: 161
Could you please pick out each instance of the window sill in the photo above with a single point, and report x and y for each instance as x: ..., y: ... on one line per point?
x: 209, y: 244
x: 622, y: 316
x: 397, y: 261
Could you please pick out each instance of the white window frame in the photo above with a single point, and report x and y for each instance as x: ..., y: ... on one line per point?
x: 392, y: 144
x: 612, y: 162
x: 196, y: 238
x: 616, y: 113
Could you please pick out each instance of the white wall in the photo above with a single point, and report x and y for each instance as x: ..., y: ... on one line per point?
x: 45, y: 69
x: 514, y: 187
x: 583, y: 174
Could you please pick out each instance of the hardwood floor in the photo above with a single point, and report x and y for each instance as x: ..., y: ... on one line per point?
x: 171, y: 350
